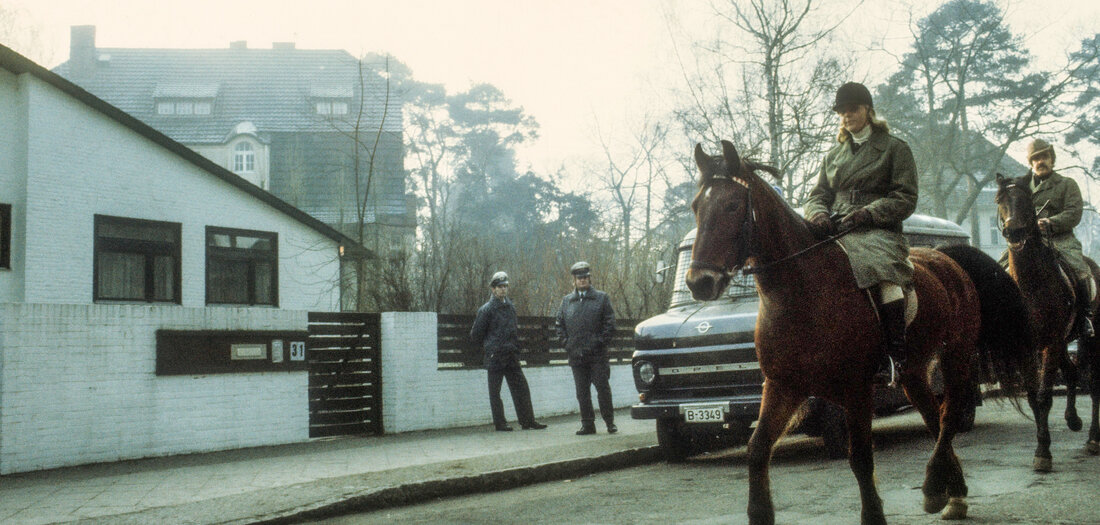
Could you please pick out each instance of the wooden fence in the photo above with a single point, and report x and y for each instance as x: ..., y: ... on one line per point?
x: 538, y: 343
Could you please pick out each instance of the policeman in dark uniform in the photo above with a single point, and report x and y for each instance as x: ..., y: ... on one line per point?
x: 495, y: 330
x: 585, y: 325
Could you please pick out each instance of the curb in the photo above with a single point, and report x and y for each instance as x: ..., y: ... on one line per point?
x: 413, y: 493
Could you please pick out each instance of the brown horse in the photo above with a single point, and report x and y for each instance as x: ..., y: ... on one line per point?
x: 817, y: 333
x: 1050, y: 297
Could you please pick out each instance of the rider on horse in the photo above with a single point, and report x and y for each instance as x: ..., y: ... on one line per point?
x: 1059, y: 205
x: 869, y: 181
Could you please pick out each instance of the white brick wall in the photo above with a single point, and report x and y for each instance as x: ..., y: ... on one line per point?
x: 416, y: 395
x: 77, y: 385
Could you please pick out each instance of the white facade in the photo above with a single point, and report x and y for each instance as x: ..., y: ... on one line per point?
x: 77, y: 377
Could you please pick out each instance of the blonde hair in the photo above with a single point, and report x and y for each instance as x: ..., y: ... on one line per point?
x: 872, y: 120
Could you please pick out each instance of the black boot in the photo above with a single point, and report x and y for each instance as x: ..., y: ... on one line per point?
x: 893, y: 327
x: 1084, y: 324
x: 587, y: 427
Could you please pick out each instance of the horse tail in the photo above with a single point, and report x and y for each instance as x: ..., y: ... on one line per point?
x: 1006, y: 343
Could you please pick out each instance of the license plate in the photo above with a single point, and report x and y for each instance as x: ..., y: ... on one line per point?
x: 704, y: 413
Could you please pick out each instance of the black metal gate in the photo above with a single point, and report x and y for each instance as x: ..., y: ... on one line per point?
x: 345, y: 374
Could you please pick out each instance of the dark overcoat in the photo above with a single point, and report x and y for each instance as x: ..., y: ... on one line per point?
x: 881, y: 177
x: 495, y: 330
x: 585, y: 326
x: 1060, y: 200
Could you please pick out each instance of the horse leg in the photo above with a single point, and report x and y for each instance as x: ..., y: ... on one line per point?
x: 944, y: 485
x: 776, y: 408
x: 1069, y: 372
x: 1040, y: 402
x: 1089, y: 356
x: 861, y: 460
x: 923, y: 399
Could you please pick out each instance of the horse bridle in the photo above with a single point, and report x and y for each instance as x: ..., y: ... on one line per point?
x: 747, y: 245
x: 745, y: 241
x: 1001, y: 220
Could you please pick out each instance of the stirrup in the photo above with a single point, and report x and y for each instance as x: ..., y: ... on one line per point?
x: 889, y: 377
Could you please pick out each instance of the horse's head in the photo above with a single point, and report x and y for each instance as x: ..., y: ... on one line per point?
x: 724, y: 219
x: 1016, y: 210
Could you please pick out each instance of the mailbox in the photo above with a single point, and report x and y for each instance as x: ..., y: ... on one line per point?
x: 192, y: 352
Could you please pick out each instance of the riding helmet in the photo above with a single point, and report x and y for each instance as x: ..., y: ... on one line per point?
x: 1038, y: 147
x: 852, y: 93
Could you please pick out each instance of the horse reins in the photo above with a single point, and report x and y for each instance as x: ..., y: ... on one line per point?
x: 744, y: 241
x: 768, y: 266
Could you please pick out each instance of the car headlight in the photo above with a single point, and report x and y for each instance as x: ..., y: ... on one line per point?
x: 646, y: 372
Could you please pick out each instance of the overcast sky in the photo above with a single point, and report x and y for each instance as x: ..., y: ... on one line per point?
x: 569, y: 63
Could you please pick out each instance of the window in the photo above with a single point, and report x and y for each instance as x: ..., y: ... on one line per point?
x: 5, y: 236
x: 994, y: 230
x: 136, y: 260
x: 184, y: 107
x: 331, y: 107
x: 244, y: 158
x: 241, y: 267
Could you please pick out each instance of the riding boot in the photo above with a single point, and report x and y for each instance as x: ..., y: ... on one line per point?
x: 893, y: 327
x: 1084, y: 324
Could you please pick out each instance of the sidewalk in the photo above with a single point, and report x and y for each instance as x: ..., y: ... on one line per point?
x: 319, y: 478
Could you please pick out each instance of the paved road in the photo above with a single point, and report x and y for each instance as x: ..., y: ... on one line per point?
x: 808, y: 488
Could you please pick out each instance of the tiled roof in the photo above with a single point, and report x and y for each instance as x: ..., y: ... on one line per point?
x: 275, y: 89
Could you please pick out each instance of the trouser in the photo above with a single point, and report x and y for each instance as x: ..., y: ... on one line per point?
x: 598, y: 374
x: 521, y: 394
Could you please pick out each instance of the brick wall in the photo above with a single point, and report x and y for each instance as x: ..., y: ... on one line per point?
x: 77, y: 385
x: 416, y: 395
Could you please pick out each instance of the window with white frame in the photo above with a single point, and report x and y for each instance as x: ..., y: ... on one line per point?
x: 331, y: 107
x: 184, y: 107
x: 244, y: 158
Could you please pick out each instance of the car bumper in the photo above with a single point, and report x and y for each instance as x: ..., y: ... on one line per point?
x: 739, y: 407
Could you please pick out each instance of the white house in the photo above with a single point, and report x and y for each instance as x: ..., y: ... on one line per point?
x: 112, y: 235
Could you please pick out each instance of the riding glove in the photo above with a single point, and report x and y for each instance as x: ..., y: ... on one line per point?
x: 857, y: 219
x: 822, y: 226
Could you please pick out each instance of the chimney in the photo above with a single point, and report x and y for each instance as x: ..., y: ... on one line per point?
x: 82, y: 51
x: 239, y: 44
x: 282, y: 45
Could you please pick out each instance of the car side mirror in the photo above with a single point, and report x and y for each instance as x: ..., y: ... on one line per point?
x: 662, y: 269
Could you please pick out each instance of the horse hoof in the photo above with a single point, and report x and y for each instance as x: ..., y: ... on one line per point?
x: 956, y: 509
x: 1042, y: 465
x: 1093, y: 447
x: 934, y: 503
x: 1074, y: 423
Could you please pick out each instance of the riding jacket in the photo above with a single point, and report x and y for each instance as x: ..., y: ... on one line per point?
x: 880, y: 176
x: 1059, y: 198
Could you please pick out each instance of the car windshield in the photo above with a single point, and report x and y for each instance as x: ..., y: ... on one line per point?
x: 740, y: 287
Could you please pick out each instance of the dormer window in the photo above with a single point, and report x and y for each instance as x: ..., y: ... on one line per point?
x: 244, y: 158
x: 183, y: 107
x: 185, y: 98
x: 330, y: 97
x: 331, y: 107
